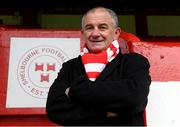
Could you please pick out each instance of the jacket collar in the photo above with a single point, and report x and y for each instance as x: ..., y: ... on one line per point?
x: 109, y: 67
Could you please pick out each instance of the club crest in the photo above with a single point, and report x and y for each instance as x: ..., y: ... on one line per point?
x: 38, y: 68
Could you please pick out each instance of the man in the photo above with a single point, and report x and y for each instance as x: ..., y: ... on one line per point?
x: 101, y: 86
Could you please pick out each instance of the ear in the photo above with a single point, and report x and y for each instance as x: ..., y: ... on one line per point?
x: 82, y: 33
x: 117, y: 33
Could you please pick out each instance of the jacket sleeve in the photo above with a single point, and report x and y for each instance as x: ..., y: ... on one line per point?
x: 60, y: 108
x: 128, y: 93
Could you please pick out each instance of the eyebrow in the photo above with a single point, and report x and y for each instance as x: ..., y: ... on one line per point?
x: 87, y: 25
x: 103, y: 24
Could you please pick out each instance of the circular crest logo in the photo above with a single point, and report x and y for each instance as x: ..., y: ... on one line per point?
x: 38, y: 68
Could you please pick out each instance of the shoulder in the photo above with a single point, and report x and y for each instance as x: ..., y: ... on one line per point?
x: 135, y: 58
x: 134, y: 55
x: 72, y: 61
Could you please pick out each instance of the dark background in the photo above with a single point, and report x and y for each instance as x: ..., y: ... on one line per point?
x: 29, y: 9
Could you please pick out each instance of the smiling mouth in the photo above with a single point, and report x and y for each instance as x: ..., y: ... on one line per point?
x: 95, y: 41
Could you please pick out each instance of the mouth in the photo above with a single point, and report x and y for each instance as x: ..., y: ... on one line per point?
x: 96, y: 41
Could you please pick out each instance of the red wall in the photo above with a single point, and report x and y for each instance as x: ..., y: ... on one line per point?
x: 163, y: 58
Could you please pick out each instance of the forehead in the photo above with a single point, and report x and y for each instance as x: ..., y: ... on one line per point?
x: 98, y: 16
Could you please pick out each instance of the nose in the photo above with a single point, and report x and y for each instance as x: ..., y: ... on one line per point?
x: 95, y: 32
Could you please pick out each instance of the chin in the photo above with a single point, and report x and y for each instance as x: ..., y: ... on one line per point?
x: 97, y: 50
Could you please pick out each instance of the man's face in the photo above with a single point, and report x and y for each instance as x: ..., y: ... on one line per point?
x: 98, y: 30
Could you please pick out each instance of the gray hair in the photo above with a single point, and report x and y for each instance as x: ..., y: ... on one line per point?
x: 111, y: 12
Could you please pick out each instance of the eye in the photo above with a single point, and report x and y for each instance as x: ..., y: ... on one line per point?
x: 103, y: 27
x: 88, y: 28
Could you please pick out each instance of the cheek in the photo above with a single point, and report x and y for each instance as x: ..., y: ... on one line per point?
x: 84, y: 35
x: 110, y: 37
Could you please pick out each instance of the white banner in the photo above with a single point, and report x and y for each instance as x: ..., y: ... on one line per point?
x: 163, y: 109
x: 33, y: 66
